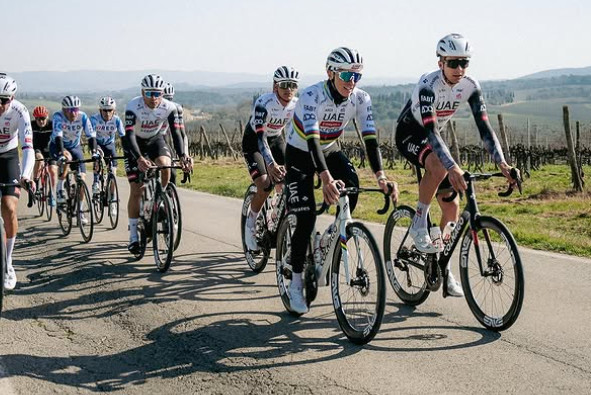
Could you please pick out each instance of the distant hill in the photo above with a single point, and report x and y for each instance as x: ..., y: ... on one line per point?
x: 559, y: 72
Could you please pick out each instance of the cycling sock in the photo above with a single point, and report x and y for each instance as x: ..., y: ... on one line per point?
x: 252, y: 218
x: 133, y: 229
x: 296, y: 280
x: 419, y: 221
x: 9, y: 249
x: 60, y: 184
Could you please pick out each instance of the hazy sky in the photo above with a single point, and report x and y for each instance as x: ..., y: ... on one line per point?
x: 511, y: 38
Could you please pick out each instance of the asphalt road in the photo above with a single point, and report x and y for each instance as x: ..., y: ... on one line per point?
x: 85, y: 318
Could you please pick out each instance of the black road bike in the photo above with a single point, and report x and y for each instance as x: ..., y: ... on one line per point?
x: 108, y: 196
x: 490, y: 265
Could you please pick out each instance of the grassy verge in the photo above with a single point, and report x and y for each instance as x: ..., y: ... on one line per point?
x: 547, y: 216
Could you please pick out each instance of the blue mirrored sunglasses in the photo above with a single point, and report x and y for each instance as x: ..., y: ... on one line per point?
x: 349, y: 75
x: 153, y: 93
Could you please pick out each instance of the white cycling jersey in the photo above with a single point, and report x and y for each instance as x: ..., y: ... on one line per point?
x: 317, y: 116
x: 269, y: 116
x: 106, y: 130
x: 71, y: 132
x: 15, y: 126
x: 147, y: 122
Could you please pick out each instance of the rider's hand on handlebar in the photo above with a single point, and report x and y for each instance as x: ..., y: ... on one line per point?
x: 186, y: 163
x: 330, y: 187
x: 512, y: 177
x: 277, y: 172
x: 143, y: 164
x: 387, y: 186
x: 456, y: 178
x: 29, y: 185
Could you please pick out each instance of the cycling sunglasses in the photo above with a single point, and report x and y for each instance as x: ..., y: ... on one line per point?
x: 153, y: 93
x: 288, y: 85
x: 4, y: 100
x: 349, y: 76
x: 454, y: 63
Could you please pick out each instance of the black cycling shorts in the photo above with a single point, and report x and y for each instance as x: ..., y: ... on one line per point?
x: 10, y: 171
x: 151, y: 148
x: 253, y: 157
x: 76, y: 153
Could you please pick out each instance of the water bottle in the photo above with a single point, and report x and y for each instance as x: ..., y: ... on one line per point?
x: 447, y: 231
x: 317, y: 250
x: 435, y: 234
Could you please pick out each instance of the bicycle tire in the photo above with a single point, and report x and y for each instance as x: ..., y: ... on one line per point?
x: 163, y: 248
x: 282, y: 260
x: 64, y: 211
x: 350, y: 301
x: 98, y: 202
x: 405, y: 273
x: 40, y: 200
x: 113, y: 201
x: 506, y: 281
x: 177, y: 214
x: 47, y: 195
x: 84, y: 208
x: 142, y: 239
x: 2, y: 263
x: 256, y: 261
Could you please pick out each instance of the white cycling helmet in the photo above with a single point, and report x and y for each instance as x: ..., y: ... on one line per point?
x: 168, y: 91
x: 8, y: 86
x: 71, y: 102
x: 344, y: 58
x: 454, y: 45
x: 153, y: 82
x: 286, y: 73
x: 107, y: 103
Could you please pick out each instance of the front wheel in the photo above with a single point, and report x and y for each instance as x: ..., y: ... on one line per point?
x: 112, y: 201
x: 64, y: 210
x: 173, y: 195
x: 2, y: 264
x: 97, y: 201
x: 85, y: 212
x: 359, y: 300
x: 404, y: 263
x: 47, y: 196
x: 257, y: 260
x: 283, y: 260
x: 162, y: 232
x: 495, y: 294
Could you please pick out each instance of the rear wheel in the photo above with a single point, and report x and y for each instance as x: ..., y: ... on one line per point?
x: 162, y: 232
x: 405, y: 265
x: 112, y: 201
x: 85, y: 213
x: 495, y: 298
x: 283, y: 259
x: 2, y: 264
x: 257, y: 260
x: 360, y: 302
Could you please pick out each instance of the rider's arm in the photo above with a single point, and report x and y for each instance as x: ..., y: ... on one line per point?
x: 487, y: 134
x: 128, y: 140
x: 176, y: 127
x: 259, y: 120
x: 308, y: 127
x: 89, y: 131
x: 368, y: 131
x: 179, y: 109
x: 26, y: 139
x: 429, y: 118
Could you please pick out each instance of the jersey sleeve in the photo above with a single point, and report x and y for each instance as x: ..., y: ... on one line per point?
x: 119, y: 126
x: 429, y: 118
x: 368, y: 131
x: 26, y: 139
x: 487, y: 134
x: 57, y: 127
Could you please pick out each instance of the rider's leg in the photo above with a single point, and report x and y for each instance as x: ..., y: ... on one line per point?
x: 450, y: 211
x: 9, y: 204
x: 38, y: 166
x: 434, y: 174
x: 341, y: 168
x: 165, y: 173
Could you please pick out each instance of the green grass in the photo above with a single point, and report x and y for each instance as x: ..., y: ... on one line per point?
x: 548, y: 216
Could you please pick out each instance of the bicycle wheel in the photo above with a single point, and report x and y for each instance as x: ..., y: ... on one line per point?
x: 98, y: 202
x: 176, y: 213
x: 48, y: 195
x: 282, y: 260
x: 256, y: 260
x: 40, y: 200
x: 359, y: 304
x: 2, y: 263
x: 162, y: 232
x: 113, y: 200
x: 85, y: 215
x: 404, y: 264
x: 64, y: 210
x: 496, y: 297
x: 141, y: 232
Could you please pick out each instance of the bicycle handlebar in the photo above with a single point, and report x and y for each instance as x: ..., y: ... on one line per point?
x: 485, y: 176
x: 357, y: 190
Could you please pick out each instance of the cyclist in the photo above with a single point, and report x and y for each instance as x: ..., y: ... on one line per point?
x: 65, y: 143
x: 321, y: 115
x: 263, y: 145
x: 42, y: 128
x: 107, y: 125
x: 433, y: 103
x: 146, y: 116
x: 16, y: 125
x: 169, y: 95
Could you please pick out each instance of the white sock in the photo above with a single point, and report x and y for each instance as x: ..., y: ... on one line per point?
x: 296, y: 280
x: 9, y: 249
x: 420, y: 219
x: 251, y: 219
x: 133, y: 229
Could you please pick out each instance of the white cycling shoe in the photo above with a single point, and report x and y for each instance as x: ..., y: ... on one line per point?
x: 84, y: 220
x: 297, y: 302
x: 453, y: 287
x: 10, y: 278
x: 423, y: 241
x: 250, y: 238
